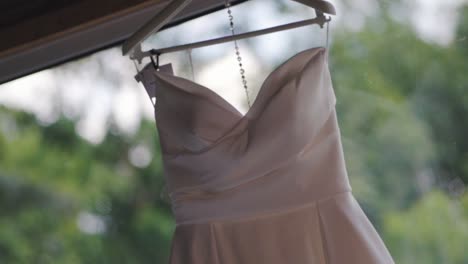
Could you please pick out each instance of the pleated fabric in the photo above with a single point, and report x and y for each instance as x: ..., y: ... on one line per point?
x: 270, y: 186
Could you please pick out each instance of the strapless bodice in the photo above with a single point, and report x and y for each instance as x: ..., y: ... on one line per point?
x: 284, y: 153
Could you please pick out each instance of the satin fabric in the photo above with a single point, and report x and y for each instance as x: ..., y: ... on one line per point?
x: 269, y: 186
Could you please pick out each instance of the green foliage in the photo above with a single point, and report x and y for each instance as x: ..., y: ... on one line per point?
x: 63, y: 200
x: 432, y: 231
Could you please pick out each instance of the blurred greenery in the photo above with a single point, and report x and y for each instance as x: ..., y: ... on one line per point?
x: 52, y: 182
x: 403, y: 111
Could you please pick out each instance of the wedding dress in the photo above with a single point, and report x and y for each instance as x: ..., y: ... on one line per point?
x: 267, y: 187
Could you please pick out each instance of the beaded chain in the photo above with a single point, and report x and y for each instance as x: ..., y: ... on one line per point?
x: 239, y: 59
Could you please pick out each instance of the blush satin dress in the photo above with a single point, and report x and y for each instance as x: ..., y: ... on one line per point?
x: 267, y: 187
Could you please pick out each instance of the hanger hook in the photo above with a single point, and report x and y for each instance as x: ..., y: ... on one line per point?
x: 155, y: 64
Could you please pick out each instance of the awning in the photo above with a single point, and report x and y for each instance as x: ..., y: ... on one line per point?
x: 36, y: 35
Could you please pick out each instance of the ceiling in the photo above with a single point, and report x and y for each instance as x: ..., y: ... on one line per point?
x: 38, y: 34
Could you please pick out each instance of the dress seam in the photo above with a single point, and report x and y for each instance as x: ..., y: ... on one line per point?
x: 333, y: 195
x: 267, y: 214
x: 213, y: 236
x: 323, y: 237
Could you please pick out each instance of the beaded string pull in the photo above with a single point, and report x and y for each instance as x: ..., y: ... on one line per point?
x: 239, y: 59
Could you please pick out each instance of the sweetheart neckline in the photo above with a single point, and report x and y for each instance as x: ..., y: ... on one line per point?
x: 261, y: 90
x: 242, y: 118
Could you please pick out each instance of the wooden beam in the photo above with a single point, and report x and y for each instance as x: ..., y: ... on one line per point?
x: 63, y: 19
